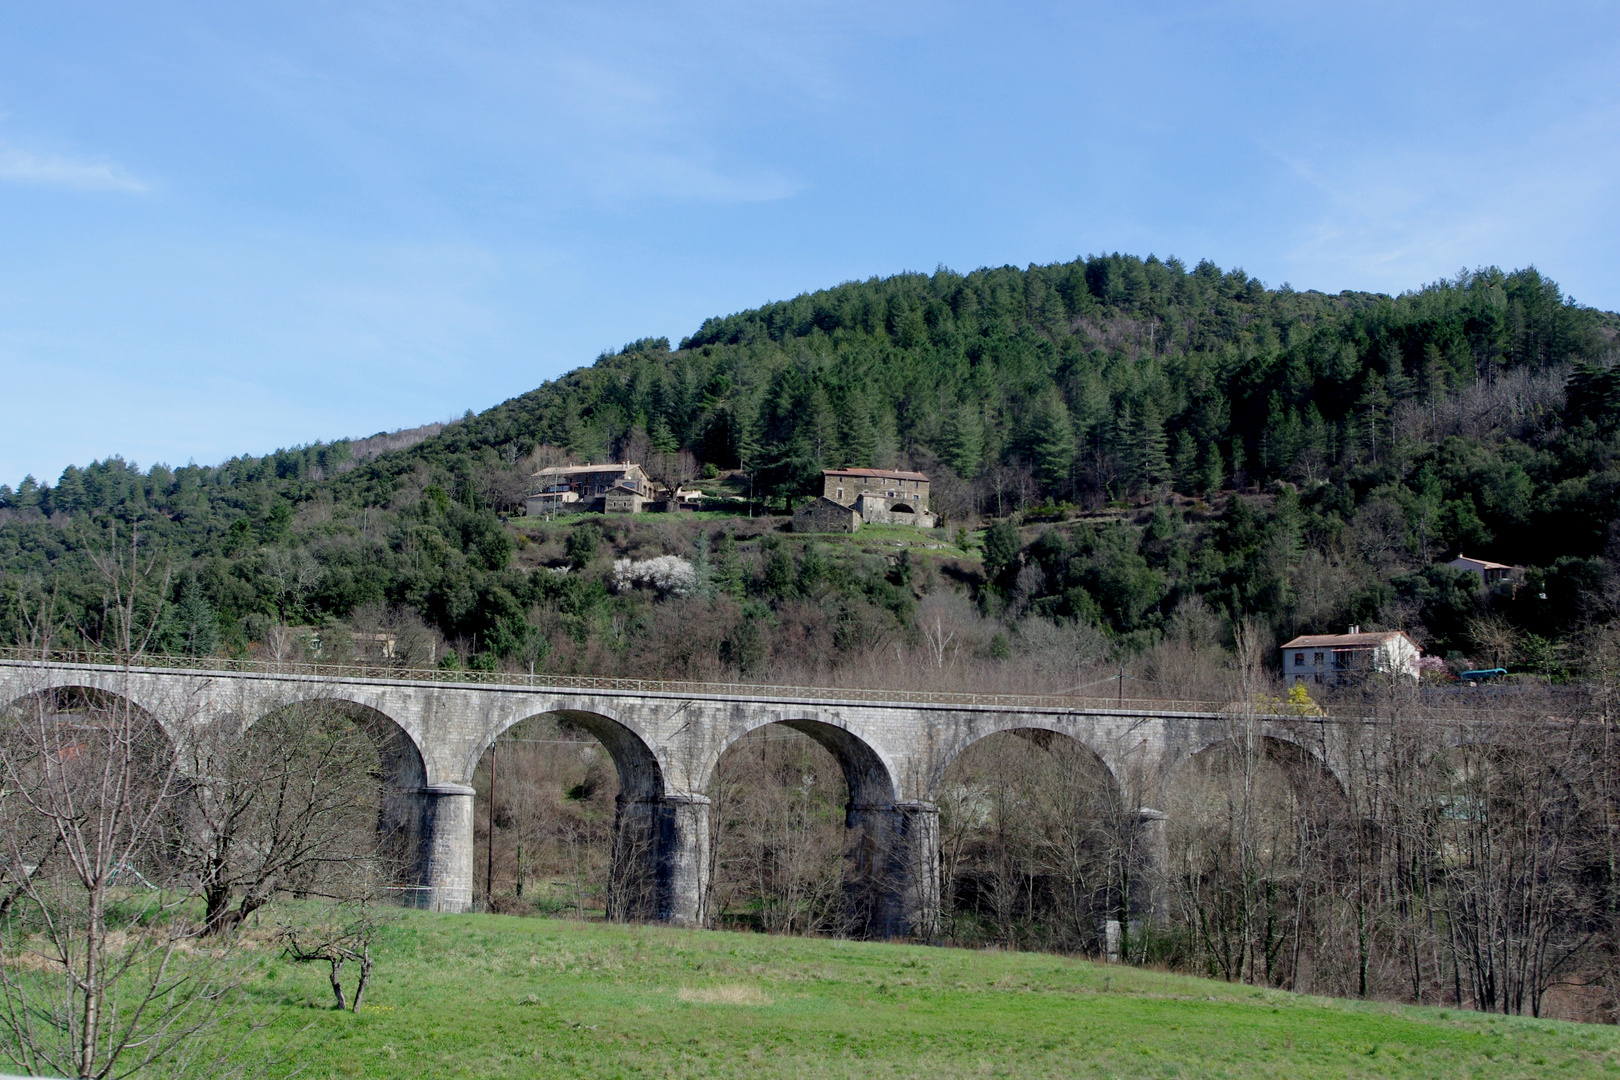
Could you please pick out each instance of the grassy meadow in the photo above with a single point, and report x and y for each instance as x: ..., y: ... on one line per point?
x: 497, y: 996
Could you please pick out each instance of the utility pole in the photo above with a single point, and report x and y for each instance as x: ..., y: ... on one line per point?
x: 1121, y: 702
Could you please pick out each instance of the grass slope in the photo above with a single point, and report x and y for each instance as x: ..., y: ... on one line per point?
x: 492, y: 996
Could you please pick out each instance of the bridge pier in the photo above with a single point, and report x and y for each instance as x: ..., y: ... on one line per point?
x: 660, y: 859
x: 892, y: 872
x: 1150, y: 899
x: 683, y: 859
x: 445, y: 862
x: 919, y: 838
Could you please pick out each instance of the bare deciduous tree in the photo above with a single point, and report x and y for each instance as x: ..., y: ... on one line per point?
x: 98, y: 976
x: 674, y: 470
x: 343, y: 934
x: 290, y: 802
x: 779, y: 841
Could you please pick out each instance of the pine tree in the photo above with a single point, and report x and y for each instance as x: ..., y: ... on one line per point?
x: 69, y: 493
x: 817, y: 424
x: 1396, y: 381
x: 662, y: 439
x: 728, y: 569
x: 1142, y: 430
x: 1001, y: 545
x: 859, y: 435
x: 1288, y: 523
x: 1435, y: 377
x: 1214, y: 477
x: 1277, y: 441
x: 1371, y: 409
x: 962, y: 441
x: 1050, y: 438
x: 1186, y: 463
x: 1315, y: 446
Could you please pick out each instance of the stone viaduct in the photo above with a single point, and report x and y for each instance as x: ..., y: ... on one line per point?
x: 666, y: 739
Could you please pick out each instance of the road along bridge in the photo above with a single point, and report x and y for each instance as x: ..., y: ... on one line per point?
x: 432, y: 727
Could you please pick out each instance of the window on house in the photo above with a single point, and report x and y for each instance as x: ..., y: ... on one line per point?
x: 1341, y: 659
x: 1299, y: 659
x: 1316, y: 658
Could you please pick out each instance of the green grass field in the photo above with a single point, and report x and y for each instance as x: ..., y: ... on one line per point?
x: 493, y: 996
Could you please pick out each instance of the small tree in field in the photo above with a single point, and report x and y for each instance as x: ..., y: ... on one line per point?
x: 343, y: 936
x: 98, y: 974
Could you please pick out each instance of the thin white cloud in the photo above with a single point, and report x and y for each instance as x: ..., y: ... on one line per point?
x: 49, y: 170
x: 1403, y: 213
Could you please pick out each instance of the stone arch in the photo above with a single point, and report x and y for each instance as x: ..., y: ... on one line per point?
x: 868, y: 772
x: 1297, y: 757
x: 641, y: 777
x: 884, y: 895
x: 1039, y: 731
x: 167, y: 736
x: 407, y: 812
x: 66, y: 688
x: 1064, y: 797
x: 403, y: 763
x: 646, y: 864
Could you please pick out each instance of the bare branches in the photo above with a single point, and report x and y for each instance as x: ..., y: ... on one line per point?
x: 779, y: 845
x: 132, y: 598
x: 345, y: 936
x: 98, y: 970
x: 290, y: 803
x: 99, y: 975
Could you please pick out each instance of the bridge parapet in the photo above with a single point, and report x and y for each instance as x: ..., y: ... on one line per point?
x: 612, y: 684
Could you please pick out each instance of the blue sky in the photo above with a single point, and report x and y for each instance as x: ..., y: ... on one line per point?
x: 230, y: 227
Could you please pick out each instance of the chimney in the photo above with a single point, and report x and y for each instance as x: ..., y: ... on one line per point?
x: 1355, y: 629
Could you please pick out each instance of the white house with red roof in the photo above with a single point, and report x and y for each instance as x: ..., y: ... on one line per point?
x: 1342, y: 658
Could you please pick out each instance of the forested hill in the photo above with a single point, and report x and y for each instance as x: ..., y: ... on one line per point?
x: 1478, y: 412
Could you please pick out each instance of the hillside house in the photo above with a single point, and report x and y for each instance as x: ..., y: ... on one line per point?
x: 586, y: 487
x: 1336, y: 659
x: 624, y: 498
x: 877, y: 496
x: 1491, y: 574
x: 822, y: 515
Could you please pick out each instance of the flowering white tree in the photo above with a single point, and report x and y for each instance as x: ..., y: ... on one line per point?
x: 670, y: 575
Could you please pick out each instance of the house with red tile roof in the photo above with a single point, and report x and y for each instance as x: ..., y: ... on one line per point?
x: 1336, y: 659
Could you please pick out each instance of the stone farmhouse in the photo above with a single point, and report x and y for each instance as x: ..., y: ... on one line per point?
x: 1337, y: 659
x: 623, y: 488
x: 853, y: 497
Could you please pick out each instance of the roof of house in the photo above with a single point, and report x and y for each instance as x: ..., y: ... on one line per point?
x: 818, y: 500
x: 882, y: 474
x: 1482, y: 564
x: 1342, y: 641
x: 575, y: 470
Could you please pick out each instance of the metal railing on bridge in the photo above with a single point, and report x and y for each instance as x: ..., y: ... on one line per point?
x: 467, y: 677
